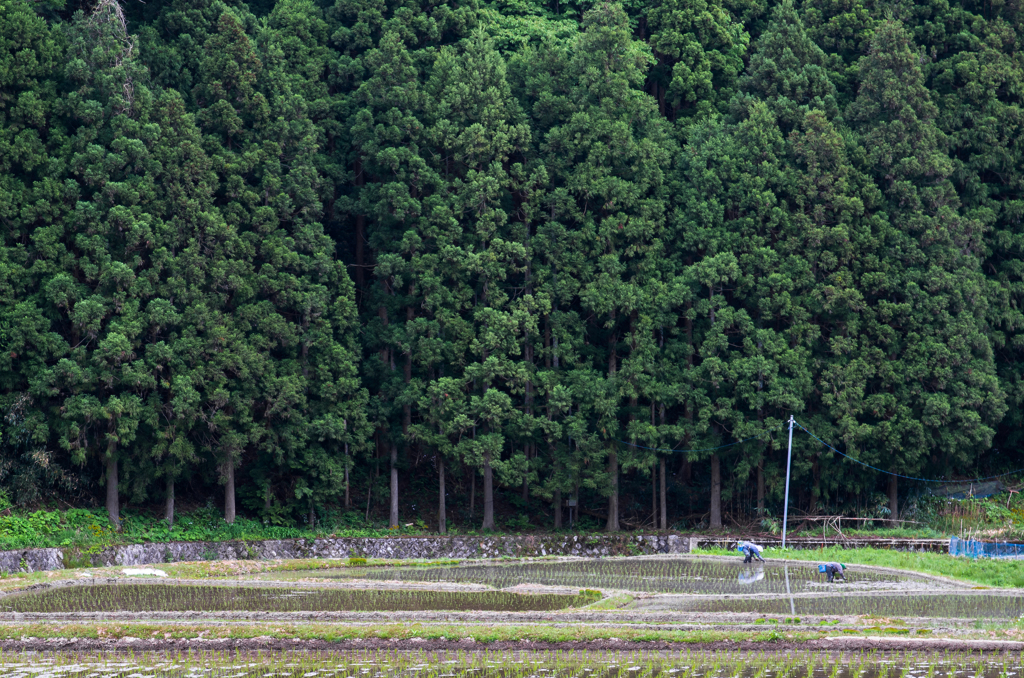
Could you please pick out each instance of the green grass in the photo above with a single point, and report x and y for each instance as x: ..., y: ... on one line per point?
x: 84, y: 531
x: 612, y: 603
x: 920, y: 532
x: 982, y: 571
x: 403, y: 630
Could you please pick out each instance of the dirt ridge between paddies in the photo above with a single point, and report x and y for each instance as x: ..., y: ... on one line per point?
x: 266, y: 643
x: 357, y: 584
x: 746, y: 622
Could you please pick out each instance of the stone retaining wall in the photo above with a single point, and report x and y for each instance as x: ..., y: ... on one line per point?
x: 32, y: 560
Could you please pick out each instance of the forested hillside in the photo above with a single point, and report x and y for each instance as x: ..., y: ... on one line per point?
x: 413, y: 258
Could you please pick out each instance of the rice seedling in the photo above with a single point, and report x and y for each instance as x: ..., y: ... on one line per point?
x: 961, y: 605
x: 669, y: 575
x: 581, y: 664
x: 173, y: 598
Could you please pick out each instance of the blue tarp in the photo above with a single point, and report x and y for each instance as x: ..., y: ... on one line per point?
x: 984, y: 549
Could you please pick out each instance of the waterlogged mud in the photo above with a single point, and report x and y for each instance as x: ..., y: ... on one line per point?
x: 700, y: 576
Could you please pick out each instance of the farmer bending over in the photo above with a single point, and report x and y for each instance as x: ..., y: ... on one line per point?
x: 750, y: 550
x: 834, y: 570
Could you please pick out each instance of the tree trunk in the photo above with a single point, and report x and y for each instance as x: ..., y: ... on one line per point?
x: 528, y: 450
x: 406, y: 416
x: 716, y: 491
x: 393, y: 521
x: 360, y: 231
x: 613, y: 500
x: 525, y: 490
x: 169, y: 502
x: 488, y: 523
x: 816, y: 489
x: 360, y: 257
x: 654, y: 496
x: 894, y: 505
x: 376, y: 471
x: 442, y: 518
x: 472, y: 492
x: 229, y: 491
x: 348, y: 496
x: 664, y: 501
x: 557, y: 501
x: 547, y: 342
x: 760, y: 488
x: 312, y: 517
x: 686, y: 469
x: 113, y: 506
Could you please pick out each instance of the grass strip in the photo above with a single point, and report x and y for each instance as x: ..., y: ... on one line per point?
x: 396, y: 631
x: 231, y: 568
x: 982, y: 571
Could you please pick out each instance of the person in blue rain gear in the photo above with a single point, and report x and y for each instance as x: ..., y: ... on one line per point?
x: 833, y: 570
x: 750, y: 551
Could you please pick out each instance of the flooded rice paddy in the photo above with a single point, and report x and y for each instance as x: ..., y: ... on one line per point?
x: 503, y: 665
x: 705, y: 585
x: 961, y: 605
x: 682, y: 585
x: 672, y: 603
x: 183, y: 597
x: 701, y: 576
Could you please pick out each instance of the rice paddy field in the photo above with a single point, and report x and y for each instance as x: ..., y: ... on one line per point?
x: 650, y: 575
x: 645, y: 617
x: 505, y: 665
x: 132, y: 597
x: 962, y: 605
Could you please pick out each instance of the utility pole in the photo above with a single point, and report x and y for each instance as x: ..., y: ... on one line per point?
x: 789, y: 461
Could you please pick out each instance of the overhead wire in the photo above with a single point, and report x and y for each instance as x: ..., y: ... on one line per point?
x: 898, y: 475
x: 842, y: 454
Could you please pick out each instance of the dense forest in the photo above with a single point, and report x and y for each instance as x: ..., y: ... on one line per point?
x: 415, y: 258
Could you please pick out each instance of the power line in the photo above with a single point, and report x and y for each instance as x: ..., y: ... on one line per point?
x: 923, y: 480
x: 842, y: 454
